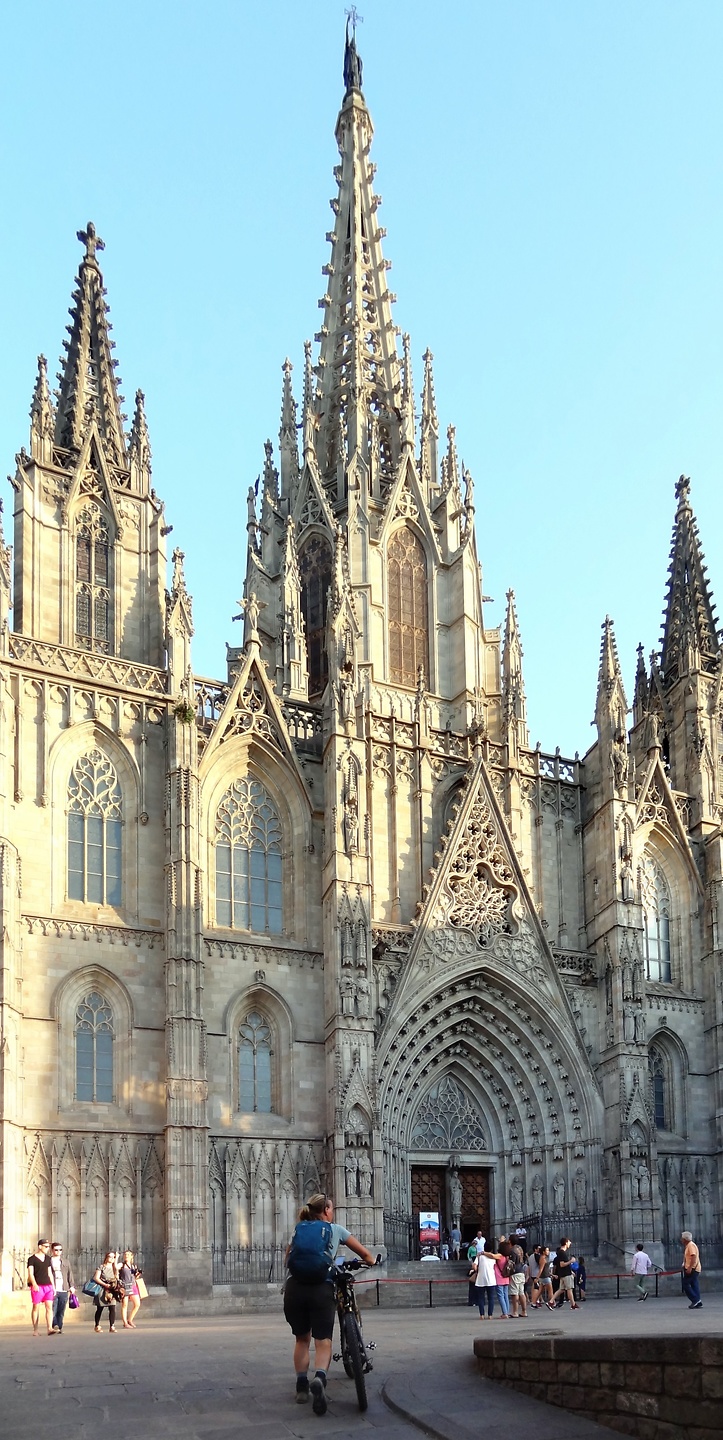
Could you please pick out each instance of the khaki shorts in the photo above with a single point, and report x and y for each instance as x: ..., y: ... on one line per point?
x: 567, y: 1282
x: 517, y: 1284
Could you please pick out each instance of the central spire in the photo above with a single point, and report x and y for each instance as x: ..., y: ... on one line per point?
x: 88, y: 386
x: 359, y: 382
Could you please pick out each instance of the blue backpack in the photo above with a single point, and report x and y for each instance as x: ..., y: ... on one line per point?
x: 311, y: 1251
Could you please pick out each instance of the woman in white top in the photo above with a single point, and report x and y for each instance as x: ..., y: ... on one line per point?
x: 485, y: 1282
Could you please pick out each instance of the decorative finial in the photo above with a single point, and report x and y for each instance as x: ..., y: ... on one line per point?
x: 91, y: 239
x: 682, y: 490
x: 352, y: 61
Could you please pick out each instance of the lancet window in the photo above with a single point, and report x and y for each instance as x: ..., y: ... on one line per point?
x: 92, y: 581
x: 659, y: 1070
x: 656, y: 918
x: 408, y: 612
x: 94, y: 1049
x: 248, y: 859
x: 315, y: 563
x: 255, y: 1064
x: 95, y: 825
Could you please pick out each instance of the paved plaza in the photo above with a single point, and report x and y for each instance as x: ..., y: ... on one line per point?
x: 211, y: 1379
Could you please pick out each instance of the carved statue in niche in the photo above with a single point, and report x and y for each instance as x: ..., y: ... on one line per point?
x: 641, y: 1024
x: 629, y: 1023
x: 351, y: 1169
x: 515, y: 1155
x: 362, y: 998
x: 643, y: 1181
x: 365, y: 1174
x: 455, y: 1194
x: 638, y: 980
x: 627, y: 980
x: 516, y: 1194
x: 346, y: 988
x: 351, y: 815
x: 627, y: 879
x: 537, y: 1194
x: 558, y: 1190
x: 619, y: 762
x: 609, y: 1031
x: 608, y: 986
x: 580, y: 1189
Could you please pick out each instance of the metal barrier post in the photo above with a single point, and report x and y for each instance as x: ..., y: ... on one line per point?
x: 430, y: 1296
x: 377, y: 1293
x: 657, y: 1273
x: 617, y: 1286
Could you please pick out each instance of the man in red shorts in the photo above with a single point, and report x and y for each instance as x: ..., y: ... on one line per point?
x: 42, y: 1289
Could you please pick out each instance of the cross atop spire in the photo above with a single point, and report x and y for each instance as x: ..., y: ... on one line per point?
x: 91, y: 239
x: 352, y: 59
x: 690, y: 633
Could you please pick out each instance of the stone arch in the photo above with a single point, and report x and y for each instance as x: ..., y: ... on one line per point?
x: 65, y: 751
x: 241, y: 758
x: 668, y: 1046
x: 63, y: 1009
x: 658, y: 843
x: 273, y: 1007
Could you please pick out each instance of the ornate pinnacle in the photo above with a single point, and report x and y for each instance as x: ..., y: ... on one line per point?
x: 42, y: 413
x: 91, y: 239
x: 308, y: 421
x: 407, y: 399
x: 139, y: 445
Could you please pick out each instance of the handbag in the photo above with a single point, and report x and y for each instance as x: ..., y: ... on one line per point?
x: 73, y: 1301
x: 141, y: 1287
x: 93, y: 1289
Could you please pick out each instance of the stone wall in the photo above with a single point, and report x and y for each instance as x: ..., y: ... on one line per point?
x: 654, y: 1387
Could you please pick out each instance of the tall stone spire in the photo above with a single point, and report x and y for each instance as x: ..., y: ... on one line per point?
x: 513, y: 685
x: 42, y: 415
x: 88, y: 387
x: 611, y: 705
x: 690, y: 635
x: 288, y: 443
x: 430, y: 426
x: 640, y: 701
x: 139, y: 447
x: 358, y: 369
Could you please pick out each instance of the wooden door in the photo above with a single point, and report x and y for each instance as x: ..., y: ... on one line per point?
x: 428, y: 1190
x: 475, y: 1201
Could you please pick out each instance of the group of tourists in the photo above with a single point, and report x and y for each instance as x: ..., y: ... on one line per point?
x: 506, y: 1273
x: 117, y: 1280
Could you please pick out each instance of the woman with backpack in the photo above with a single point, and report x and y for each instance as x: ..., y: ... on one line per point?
x: 309, y: 1305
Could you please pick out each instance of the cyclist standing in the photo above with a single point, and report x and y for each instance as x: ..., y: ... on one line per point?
x: 309, y: 1305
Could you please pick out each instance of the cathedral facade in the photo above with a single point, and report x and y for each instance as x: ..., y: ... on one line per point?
x: 330, y: 921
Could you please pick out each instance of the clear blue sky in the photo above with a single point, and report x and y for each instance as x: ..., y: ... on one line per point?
x: 551, y: 175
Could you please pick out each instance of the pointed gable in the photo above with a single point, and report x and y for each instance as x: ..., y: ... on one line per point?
x: 252, y: 709
x: 690, y: 633
x: 655, y: 804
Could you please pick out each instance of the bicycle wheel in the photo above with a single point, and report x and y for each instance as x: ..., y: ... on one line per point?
x: 353, y: 1348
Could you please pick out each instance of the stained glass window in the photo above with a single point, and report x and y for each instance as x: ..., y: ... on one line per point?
x: 255, y: 1055
x: 248, y: 859
x: 408, y: 612
x: 94, y: 1049
x: 92, y: 580
x: 656, y: 917
x: 95, y: 819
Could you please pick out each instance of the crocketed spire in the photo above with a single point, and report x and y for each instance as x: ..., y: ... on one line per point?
x: 88, y: 386
x: 690, y: 635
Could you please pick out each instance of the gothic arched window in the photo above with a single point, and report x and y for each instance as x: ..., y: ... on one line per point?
x: 315, y: 563
x: 659, y: 1070
x: 408, y: 613
x: 95, y: 820
x: 248, y: 859
x: 94, y: 1049
x: 255, y: 1057
x: 656, y: 919
x: 92, y: 581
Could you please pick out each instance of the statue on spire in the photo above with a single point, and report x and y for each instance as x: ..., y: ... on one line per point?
x: 91, y: 239
x: 352, y: 59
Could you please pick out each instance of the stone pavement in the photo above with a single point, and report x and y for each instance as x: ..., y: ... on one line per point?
x: 218, y: 1378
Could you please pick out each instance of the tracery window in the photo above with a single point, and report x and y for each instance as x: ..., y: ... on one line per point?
x: 248, y: 859
x: 94, y: 1049
x: 656, y: 918
x: 447, y: 1120
x: 92, y: 581
x: 659, y: 1070
x: 408, y: 614
x: 255, y: 1061
x: 95, y: 822
x: 315, y: 562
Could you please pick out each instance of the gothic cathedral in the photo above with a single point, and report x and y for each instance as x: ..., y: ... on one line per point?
x: 330, y: 921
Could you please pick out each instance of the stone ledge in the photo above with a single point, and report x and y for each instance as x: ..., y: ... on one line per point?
x: 654, y: 1387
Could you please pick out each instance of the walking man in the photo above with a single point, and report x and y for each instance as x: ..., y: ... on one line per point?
x: 639, y: 1269
x: 63, y: 1284
x: 42, y: 1289
x: 691, y: 1271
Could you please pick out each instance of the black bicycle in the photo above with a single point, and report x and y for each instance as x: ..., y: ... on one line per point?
x: 353, y: 1353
